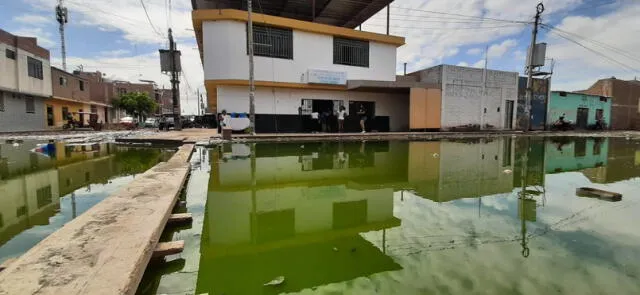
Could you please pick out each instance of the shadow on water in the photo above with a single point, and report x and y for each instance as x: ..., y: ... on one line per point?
x: 44, y: 186
x: 401, y: 213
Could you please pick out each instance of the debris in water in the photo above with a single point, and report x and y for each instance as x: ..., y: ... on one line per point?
x: 353, y: 249
x: 507, y: 171
x: 15, y: 144
x: 435, y: 155
x: 302, y: 146
x: 335, y: 249
x: 275, y: 282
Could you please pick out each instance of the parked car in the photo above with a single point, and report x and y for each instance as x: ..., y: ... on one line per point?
x: 128, y: 122
x: 166, y: 122
x: 151, y: 123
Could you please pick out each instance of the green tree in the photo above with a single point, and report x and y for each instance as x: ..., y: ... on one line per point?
x: 138, y: 104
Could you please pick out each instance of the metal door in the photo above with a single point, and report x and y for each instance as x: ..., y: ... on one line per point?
x: 508, y: 115
x: 582, y: 118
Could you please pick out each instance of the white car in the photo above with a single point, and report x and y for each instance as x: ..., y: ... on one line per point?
x: 151, y: 122
x: 128, y: 122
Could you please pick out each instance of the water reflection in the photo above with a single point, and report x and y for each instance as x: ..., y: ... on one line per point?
x: 444, y: 217
x: 35, y: 180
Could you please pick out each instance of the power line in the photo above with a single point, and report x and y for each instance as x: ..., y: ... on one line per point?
x: 428, y: 18
x: 561, y: 35
x: 459, y: 15
x: 149, y: 19
x: 598, y: 43
x: 452, y: 28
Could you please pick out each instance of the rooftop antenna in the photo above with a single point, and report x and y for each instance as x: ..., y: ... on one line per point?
x: 62, y: 18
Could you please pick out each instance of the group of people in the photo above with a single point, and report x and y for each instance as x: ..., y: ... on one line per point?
x: 341, y: 114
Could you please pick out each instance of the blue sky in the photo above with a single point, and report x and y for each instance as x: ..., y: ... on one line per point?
x: 116, y: 38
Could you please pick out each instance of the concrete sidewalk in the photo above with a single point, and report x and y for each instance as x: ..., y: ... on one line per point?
x: 105, y: 250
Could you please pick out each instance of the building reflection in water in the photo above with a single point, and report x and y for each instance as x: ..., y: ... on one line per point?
x: 33, y: 181
x: 285, y: 209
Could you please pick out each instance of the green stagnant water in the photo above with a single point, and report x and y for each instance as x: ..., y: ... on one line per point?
x: 431, y: 217
x: 42, y: 188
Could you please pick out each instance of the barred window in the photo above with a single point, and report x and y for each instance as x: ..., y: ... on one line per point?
x: 34, y: 68
x: 30, y: 103
x: 81, y: 85
x: 350, y: 52
x: 10, y: 54
x: 1, y: 101
x: 272, y: 42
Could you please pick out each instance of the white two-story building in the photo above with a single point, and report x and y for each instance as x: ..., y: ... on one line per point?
x: 25, y: 82
x: 307, y: 56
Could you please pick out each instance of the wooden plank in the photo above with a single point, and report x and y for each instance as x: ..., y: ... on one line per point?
x: 168, y: 248
x: 179, y: 218
x: 589, y: 192
x: 105, y: 250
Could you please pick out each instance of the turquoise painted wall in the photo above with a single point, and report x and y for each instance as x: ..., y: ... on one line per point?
x: 569, y: 105
x: 576, y: 154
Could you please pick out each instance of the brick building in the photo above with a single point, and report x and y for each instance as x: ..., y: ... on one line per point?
x: 72, y: 97
x: 626, y: 98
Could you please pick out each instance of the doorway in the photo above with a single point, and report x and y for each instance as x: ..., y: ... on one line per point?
x: 508, y: 115
x: 50, y: 121
x: 81, y: 113
x: 582, y: 118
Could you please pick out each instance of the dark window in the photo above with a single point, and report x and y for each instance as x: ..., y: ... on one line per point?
x: 10, y: 53
x: 81, y: 85
x: 21, y: 211
x: 63, y: 81
x: 94, y: 109
x: 44, y: 196
x: 1, y: 221
x: 580, y: 147
x: 272, y: 42
x: 350, y: 52
x: 30, y: 103
x: 34, y: 68
x: 1, y: 101
x: 562, y: 93
x: 597, y: 146
x: 603, y: 99
x: 122, y: 91
x: 65, y: 113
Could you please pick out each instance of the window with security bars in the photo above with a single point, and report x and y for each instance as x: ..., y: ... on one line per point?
x: 350, y: 52
x: 30, y: 104
x: 272, y: 42
x: 1, y: 101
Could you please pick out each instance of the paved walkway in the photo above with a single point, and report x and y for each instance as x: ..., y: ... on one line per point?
x: 105, y: 250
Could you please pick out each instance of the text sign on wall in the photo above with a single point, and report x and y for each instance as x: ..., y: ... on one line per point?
x: 326, y: 77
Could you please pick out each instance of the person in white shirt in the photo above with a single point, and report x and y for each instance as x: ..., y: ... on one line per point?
x: 341, y: 114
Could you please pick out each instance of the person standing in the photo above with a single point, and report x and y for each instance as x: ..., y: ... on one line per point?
x: 362, y: 113
x: 341, y: 114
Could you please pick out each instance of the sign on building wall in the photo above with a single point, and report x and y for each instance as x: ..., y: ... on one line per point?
x: 326, y: 77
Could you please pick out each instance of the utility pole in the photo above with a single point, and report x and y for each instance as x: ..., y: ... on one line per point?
x: 174, y: 83
x: 252, y: 86
x: 62, y: 17
x: 529, y: 68
x: 198, y: 99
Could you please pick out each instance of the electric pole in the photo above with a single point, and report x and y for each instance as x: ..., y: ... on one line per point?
x: 62, y: 18
x: 174, y: 83
x: 529, y: 68
x: 252, y: 86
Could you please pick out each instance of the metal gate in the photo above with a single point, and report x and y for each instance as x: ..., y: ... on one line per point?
x: 582, y: 118
x: 508, y: 115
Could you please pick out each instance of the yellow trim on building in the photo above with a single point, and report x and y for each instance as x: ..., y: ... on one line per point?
x: 201, y: 15
x: 212, y: 85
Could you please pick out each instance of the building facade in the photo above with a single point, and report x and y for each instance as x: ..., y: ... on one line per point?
x: 301, y: 67
x: 625, y: 95
x: 469, y: 98
x: 541, y: 88
x: 25, y: 83
x: 583, y: 110
x: 72, y: 98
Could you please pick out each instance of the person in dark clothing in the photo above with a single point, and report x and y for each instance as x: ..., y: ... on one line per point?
x: 363, y: 117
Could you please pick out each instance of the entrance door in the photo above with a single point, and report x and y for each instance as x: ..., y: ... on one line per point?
x: 50, y: 115
x: 582, y: 118
x: 508, y: 115
x: 81, y: 117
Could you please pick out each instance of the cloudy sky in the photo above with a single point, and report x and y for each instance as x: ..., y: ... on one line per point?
x: 593, y: 38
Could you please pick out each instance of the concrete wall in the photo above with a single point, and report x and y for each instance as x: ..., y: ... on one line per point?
x: 15, y: 116
x: 14, y: 72
x: 225, y: 57
x: 269, y: 100
x: 625, y: 112
x: 463, y: 100
x: 570, y: 103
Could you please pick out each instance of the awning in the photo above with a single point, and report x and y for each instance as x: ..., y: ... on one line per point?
x: 398, y: 86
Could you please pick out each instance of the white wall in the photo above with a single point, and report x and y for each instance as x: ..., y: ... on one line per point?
x: 225, y: 57
x: 269, y: 100
x: 19, y: 81
x: 463, y: 101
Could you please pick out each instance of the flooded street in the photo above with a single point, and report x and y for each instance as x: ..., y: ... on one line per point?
x: 437, y: 217
x: 42, y: 187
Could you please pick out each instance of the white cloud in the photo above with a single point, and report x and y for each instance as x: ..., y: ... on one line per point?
x: 474, y: 51
x: 463, y: 64
x: 33, y: 19
x: 114, y: 53
x: 498, y: 50
x: 478, y: 64
x: 45, y: 39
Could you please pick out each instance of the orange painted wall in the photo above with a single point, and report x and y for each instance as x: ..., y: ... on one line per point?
x: 424, y: 108
x: 57, y: 105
